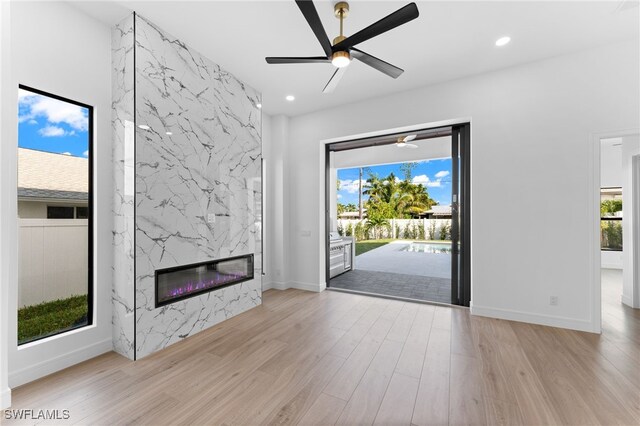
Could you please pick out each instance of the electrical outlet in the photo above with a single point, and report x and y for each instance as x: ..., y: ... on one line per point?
x: 553, y: 300
x: 211, y: 218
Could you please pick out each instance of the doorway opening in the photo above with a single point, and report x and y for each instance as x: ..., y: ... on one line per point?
x: 618, y: 209
x: 397, y: 215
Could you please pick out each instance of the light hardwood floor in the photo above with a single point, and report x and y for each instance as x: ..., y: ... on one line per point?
x: 336, y: 358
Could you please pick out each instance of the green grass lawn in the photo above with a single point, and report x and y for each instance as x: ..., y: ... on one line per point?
x: 366, y: 245
x: 51, y: 317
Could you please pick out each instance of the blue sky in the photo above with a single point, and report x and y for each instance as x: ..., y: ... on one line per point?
x: 47, y: 124
x: 434, y: 174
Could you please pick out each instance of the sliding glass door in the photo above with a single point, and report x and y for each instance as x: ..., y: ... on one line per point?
x: 460, y: 216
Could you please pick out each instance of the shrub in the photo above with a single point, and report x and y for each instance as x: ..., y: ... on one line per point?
x: 398, y: 231
x: 359, y: 231
x: 349, y: 230
x: 340, y: 229
x: 432, y: 229
x: 445, y: 229
x: 421, y: 234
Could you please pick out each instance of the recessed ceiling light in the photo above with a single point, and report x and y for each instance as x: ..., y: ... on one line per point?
x: 290, y: 98
x: 168, y: 133
x: 503, y: 41
x: 258, y: 106
x: 144, y: 127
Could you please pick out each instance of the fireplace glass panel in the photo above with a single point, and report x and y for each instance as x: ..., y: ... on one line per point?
x: 181, y: 282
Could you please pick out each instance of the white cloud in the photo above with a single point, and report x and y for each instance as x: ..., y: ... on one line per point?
x: 442, y: 174
x: 52, y: 131
x: 56, y: 112
x: 66, y: 153
x: 339, y: 196
x: 32, y: 121
x: 424, y: 180
x: 86, y: 153
x: 351, y: 186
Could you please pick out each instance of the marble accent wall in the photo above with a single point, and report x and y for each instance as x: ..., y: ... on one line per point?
x: 123, y: 130
x: 197, y: 183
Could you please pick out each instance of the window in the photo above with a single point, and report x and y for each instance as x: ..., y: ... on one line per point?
x: 611, y: 219
x: 82, y: 213
x: 58, y: 212
x: 55, y: 273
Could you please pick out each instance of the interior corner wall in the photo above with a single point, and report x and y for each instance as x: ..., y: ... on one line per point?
x: 7, y: 136
x: 275, y: 215
x: 530, y: 162
x: 58, y: 49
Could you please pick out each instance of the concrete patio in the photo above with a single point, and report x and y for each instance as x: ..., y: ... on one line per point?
x: 390, y: 271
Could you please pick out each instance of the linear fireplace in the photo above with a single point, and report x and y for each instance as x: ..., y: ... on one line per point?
x: 182, y: 282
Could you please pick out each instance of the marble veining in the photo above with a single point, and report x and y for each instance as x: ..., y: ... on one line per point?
x: 197, y: 183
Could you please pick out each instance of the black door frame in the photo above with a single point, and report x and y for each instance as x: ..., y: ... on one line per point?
x: 461, y: 205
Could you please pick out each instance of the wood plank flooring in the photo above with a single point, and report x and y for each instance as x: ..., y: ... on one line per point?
x: 337, y: 358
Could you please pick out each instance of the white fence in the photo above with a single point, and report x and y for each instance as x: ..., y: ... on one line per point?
x: 52, y: 259
x: 410, y: 229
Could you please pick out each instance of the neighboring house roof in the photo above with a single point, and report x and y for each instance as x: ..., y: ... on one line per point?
x: 352, y: 214
x: 49, y: 175
x: 439, y: 211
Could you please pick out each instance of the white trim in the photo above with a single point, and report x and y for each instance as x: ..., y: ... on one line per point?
x: 60, y: 362
x: 314, y: 287
x: 611, y: 266
x: 5, y: 398
x: 548, y: 320
x: 274, y: 285
x: 635, y: 228
x: 626, y: 300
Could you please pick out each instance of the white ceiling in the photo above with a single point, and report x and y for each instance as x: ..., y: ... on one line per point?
x: 448, y: 41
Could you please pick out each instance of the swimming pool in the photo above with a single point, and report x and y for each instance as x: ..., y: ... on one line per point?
x: 428, y: 248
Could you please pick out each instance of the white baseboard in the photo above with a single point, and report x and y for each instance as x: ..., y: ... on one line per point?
x: 58, y: 363
x: 549, y: 320
x: 315, y: 287
x: 5, y: 399
x: 274, y: 286
x: 627, y: 301
x: 611, y: 266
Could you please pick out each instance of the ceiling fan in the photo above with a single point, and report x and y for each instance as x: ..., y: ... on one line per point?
x: 404, y: 142
x: 341, y: 51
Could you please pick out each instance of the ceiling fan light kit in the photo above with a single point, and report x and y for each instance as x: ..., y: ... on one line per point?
x: 340, y: 53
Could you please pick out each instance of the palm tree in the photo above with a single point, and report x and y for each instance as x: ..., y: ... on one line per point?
x: 375, y: 223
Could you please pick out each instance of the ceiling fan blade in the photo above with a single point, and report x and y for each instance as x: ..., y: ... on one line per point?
x: 295, y: 60
x: 311, y: 15
x: 410, y: 138
x: 334, y: 80
x: 379, y: 64
x: 397, y: 18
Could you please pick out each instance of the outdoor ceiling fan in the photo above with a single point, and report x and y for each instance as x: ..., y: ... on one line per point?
x: 341, y: 51
x: 403, y: 142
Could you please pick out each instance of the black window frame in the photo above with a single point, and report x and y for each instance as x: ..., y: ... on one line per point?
x: 90, y: 205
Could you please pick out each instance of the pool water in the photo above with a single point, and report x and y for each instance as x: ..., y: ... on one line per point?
x: 428, y: 248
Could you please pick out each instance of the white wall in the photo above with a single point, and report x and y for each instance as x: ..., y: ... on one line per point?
x: 531, y: 154
x: 7, y: 176
x: 275, y: 217
x: 60, y: 50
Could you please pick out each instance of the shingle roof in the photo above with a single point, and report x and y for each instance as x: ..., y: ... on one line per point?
x: 49, y: 175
